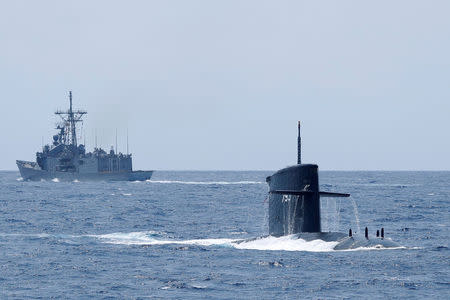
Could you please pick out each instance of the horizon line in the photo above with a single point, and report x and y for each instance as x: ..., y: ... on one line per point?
x: 262, y: 170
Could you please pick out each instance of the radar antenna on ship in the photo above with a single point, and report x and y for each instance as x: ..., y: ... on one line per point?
x: 70, y: 118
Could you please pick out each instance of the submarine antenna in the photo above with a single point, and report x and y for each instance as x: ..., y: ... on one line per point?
x: 299, y: 146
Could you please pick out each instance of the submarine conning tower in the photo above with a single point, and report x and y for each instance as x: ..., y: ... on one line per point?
x: 294, y: 198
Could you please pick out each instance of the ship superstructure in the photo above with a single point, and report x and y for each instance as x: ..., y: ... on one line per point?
x: 65, y: 159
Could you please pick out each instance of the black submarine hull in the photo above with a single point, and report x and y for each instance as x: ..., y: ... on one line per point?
x: 343, y: 241
x: 294, y: 209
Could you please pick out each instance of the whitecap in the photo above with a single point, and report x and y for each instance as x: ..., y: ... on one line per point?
x: 55, y: 180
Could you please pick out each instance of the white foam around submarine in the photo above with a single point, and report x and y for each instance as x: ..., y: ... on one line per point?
x: 269, y: 243
x: 285, y: 243
x: 145, y: 238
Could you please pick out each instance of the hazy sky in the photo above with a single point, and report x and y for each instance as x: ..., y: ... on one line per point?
x: 221, y: 84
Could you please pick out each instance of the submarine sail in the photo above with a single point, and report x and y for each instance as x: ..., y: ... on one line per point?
x: 294, y: 198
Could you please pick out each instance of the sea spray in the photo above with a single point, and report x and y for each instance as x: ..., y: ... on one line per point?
x: 355, y: 211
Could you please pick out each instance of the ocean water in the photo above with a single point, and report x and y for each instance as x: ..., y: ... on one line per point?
x: 176, y: 235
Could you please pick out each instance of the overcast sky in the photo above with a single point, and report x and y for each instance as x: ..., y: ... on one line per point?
x: 220, y: 85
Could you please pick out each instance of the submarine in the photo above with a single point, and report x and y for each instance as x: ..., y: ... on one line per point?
x: 294, y: 208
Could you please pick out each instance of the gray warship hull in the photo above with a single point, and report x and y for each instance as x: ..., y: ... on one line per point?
x: 30, y: 171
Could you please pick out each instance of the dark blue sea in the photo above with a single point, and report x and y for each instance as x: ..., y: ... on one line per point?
x: 174, y: 237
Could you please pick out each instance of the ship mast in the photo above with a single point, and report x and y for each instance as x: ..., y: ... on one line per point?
x: 72, y: 122
x: 299, y: 146
x: 70, y: 119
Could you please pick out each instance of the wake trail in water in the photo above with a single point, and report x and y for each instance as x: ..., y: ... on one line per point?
x: 153, y: 238
x: 285, y: 243
x: 143, y: 238
x: 205, y: 182
x: 396, y: 185
x: 268, y: 243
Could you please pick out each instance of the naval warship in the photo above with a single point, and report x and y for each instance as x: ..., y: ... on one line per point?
x: 294, y: 208
x: 65, y: 160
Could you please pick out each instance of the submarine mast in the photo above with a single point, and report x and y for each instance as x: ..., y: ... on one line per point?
x: 299, y: 146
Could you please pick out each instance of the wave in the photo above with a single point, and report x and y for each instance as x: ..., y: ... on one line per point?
x: 154, y: 238
x: 205, y: 182
x: 148, y: 238
x: 269, y: 243
x: 396, y: 185
x: 55, y: 180
x: 32, y: 235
